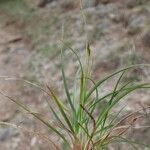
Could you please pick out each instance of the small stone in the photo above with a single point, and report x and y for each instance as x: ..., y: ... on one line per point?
x: 104, y: 1
x: 43, y: 3
x: 33, y: 141
x: 115, y: 17
x: 8, y: 132
x: 146, y: 39
x: 4, y: 134
x: 104, y: 11
x: 135, y: 24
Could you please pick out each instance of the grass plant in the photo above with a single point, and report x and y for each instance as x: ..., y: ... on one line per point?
x: 82, y: 124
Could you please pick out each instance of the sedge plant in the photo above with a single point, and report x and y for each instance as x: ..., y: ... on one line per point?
x: 83, y: 123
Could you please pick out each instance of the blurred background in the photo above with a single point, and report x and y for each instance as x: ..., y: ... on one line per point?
x: 119, y: 35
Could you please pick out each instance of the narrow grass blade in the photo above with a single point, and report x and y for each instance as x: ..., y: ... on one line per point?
x: 125, y: 93
x: 116, y: 86
x: 79, y: 112
x: 110, y: 94
x: 111, y: 75
x: 84, y: 129
x: 112, y: 97
x: 70, y: 48
x: 57, y: 117
x: 96, y: 96
x: 65, y: 84
x: 57, y: 101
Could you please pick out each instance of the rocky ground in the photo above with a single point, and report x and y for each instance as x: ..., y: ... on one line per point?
x: 118, y: 32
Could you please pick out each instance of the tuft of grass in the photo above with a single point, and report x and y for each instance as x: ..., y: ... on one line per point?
x: 82, y: 124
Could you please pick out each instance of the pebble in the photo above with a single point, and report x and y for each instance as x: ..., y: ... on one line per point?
x: 136, y: 23
x: 146, y: 39
x: 4, y: 134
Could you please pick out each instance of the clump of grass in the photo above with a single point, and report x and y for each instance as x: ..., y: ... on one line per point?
x: 81, y: 124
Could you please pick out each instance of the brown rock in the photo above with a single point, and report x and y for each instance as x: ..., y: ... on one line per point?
x: 146, y: 39
x: 43, y: 3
